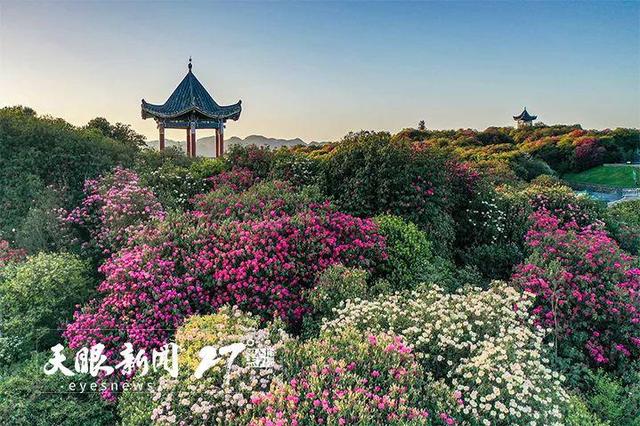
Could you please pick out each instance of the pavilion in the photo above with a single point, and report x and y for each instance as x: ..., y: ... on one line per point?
x: 191, y: 107
x: 524, y: 119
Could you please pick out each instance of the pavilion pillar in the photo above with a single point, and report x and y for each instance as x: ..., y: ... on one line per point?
x: 193, y: 141
x: 161, y: 130
x: 188, y: 142
x: 217, y: 143
x: 222, y: 140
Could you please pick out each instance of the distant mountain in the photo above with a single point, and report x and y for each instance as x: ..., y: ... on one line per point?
x: 206, y: 146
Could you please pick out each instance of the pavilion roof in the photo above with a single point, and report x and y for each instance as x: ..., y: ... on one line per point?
x: 524, y: 116
x: 191, y: 98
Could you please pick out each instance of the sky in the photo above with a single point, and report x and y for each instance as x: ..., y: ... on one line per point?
x: 318, y: 70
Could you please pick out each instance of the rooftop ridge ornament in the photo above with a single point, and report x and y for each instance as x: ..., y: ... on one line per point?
x: 191, y: 107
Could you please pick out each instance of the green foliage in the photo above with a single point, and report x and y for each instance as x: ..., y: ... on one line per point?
x: 256, y: 159
x: 36, y: 152
x: 578, y: 414
x: 37, y: 297
x: 410, y: 259
x: 528, y: 168
x: 623, y: 221
x: 369, y: 173
x: 295, y: 167
x: 335, y: 285
x: 614, y: 402
x: 28, y: 397
x: 119, y: 131
x: 43, y: 228
x: 135, y: 405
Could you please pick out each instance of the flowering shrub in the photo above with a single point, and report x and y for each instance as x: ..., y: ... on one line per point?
x: 220, y: 395
x: 188, y: 265
x: 264, y: 266
x: 586, y: 289
x: 261, y: 201
x: 294, y: 167
x: 482, y: 357
x: 343, y: 380
x: 237, y: 179
x: 10, y: 255
x: 254, y: 158
x: 114, y: 207
x: 559, y: 199
x: 144, y: 297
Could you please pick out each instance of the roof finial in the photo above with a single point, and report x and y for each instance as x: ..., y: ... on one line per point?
x: 190, y: 65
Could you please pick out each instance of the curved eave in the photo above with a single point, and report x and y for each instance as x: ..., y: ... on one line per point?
x: 524, y: 117
x: 227, y: 112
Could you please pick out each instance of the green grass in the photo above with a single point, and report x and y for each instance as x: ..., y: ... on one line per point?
x: 615, y: 176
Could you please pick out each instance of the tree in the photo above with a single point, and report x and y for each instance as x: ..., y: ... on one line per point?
x: 422, y: 125
x: 119, y: 131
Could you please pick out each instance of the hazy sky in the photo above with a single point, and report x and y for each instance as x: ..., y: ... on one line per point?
x: 319, y: 70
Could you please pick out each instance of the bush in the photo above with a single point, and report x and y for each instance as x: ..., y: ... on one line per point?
x: 28, y: 397
x: 38, y: 152
x: 587, y: 291
x: 43, y: 228
x: 135, y: 405
x: 263, y: 200
x: 560, y: 200
x: 410, y: 259
x: 114, y: 208
x: 368, y: 174
x: 264, y: 266
x: 578, y: 414
x: 344, y: 380
x: 175, y: 186
x: 37, y: 297
x: 187, y: 265
x: 223, y: 393
x: 295, y: 167
x: 481, y: 356
x: 256, y: 159
x: 624, y: 220
x: 335, y: 285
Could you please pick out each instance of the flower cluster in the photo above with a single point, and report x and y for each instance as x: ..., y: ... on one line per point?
x: 487, y: 220
x: 238, y: 179
x: 188, y: 264
x: 114, y: 207
x: 343, y: 380
x: 482, y: 356
x: 587, y: 289
x: 9, y: 255
x: 264, y: 266
x: 265, y: 200
x: 221, y: 395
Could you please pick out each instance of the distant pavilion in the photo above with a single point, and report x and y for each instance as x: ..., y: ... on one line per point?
x: 191, y: 107
x: 524, y: 119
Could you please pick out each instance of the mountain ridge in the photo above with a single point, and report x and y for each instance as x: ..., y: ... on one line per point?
x: 206, y: 145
